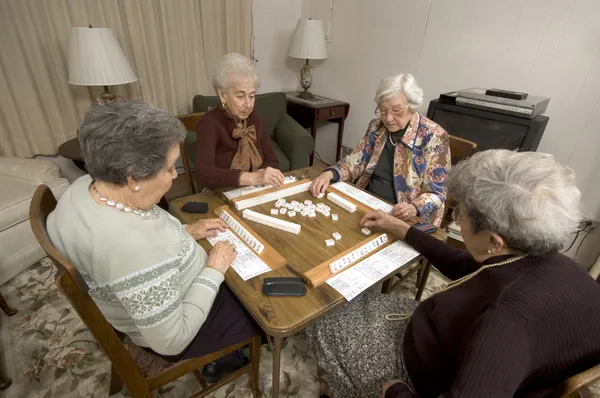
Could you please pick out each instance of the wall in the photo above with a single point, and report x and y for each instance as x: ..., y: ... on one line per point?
x: 547, y: 48
x: 542, y: 47
x: 274, y: 24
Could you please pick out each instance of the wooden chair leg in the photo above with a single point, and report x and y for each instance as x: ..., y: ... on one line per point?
x: 200, y: 379
x: 4, y: 382
x: 6, y: 308
x: 116, y: 383
x: 387, y: 285
x: 423, y: 282
x: 255, y: 364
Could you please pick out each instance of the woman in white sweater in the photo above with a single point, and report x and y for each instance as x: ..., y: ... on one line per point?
x: 146, y: 273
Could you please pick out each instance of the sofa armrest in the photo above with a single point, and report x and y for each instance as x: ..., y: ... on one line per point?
x: 294, y: 141
x: 37, y: 170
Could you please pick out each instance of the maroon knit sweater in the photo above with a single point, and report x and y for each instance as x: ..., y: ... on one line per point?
x: 515, y: 330
x: 216, y: 148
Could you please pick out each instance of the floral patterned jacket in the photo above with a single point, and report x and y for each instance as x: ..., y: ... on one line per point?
x: 421, y: 164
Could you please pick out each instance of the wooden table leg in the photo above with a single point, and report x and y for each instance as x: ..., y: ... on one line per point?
x: 423, y: 281
x: 313, y: 132
x: 339, y: 139
x: 5, y: 307
x: 276, y: 366
x: 387, y: 284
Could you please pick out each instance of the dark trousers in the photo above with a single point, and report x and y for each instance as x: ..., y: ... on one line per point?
x: 227, y: 323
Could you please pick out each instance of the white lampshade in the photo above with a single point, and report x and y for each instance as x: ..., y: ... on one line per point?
x: 308, y: 41
x: 96, y: 59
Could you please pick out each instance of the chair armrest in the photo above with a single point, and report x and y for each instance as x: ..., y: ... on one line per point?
x: 294, y: 141
x: 37, y: 170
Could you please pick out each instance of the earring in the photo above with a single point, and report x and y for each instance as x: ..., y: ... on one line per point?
x: 137, y: 188
x: 489, y: 251
x: 224, y: 104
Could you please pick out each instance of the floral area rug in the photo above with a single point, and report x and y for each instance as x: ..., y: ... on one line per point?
x: 48, y: 351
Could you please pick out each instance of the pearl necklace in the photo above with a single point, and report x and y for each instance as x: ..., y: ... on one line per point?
x: 145, y: 214
x: 401, y: 317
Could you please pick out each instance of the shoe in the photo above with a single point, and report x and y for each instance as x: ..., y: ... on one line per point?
x: 218, y: 369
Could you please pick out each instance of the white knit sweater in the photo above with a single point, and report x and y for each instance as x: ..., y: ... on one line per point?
x: 146, y: 276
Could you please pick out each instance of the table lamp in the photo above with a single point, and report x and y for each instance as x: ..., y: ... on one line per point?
x: 96, y: 59
x: 308, y: 42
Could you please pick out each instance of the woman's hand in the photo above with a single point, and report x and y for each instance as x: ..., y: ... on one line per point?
x: 385, y: 222
x: 221, y: 256
x: 319, y: 185
x: 206, y: 228
x: 404, y: 211
x: 269, y: 176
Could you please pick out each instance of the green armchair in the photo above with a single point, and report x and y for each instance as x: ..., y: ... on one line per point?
x: 291, y: 142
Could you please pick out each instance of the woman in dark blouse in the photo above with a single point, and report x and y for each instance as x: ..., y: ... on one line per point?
x: 233, y: 147
x: 518, y: 317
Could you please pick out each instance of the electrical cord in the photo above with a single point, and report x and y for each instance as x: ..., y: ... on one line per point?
x: 572, y: 243
x: 580, y: 243
x: 577, y: 236
x: 320, y: 158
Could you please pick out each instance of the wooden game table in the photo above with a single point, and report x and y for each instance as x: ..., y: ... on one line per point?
x: 281, y: 317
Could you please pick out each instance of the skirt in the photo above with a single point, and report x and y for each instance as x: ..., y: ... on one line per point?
x: 358, y: 348
x: 227, y: 323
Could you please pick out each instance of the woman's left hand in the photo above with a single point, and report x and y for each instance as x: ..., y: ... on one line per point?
x: 404, y: 211
x: 206, y: 228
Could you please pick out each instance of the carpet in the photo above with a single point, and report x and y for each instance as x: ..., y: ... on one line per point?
x: 48, y: 351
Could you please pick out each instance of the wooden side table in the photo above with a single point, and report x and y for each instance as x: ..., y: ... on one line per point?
x: 71, y: 150
x: 309, y: 112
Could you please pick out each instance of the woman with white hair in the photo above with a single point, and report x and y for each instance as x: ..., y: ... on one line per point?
x: 518, y: 317
x: 233, y: 147
x: 403, y: 158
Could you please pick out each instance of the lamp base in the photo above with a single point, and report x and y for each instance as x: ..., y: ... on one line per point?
x: 306, y: 95
x: 107, y: 96
x: 306, y: 81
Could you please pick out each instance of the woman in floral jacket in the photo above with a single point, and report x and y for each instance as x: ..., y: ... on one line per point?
x: 403, y: 158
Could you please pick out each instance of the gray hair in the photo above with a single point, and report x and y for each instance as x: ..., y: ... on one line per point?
x: 528, y: 198
x: 406, y: 84
x: 127, y: 138
x: 233, y: 64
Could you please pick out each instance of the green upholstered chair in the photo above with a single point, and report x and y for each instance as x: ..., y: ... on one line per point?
x: 291, y: 142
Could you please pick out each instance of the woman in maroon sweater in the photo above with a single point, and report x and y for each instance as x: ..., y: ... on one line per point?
x: 233, y: 146
x: 518, y: 318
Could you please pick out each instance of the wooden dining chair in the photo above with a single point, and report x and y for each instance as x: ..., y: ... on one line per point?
x: 460, y: 149
x: 189, y: 121
x: 575, y: 385
x: 140, y: 379
x: 8, y: 310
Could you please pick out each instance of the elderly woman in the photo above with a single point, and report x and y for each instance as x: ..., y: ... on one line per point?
x: 146, y: 273
x: 403, y: 158
x: 518, y: 318
x: 234, y: 147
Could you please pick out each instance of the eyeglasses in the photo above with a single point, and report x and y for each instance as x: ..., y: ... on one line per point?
x: 396, y: 111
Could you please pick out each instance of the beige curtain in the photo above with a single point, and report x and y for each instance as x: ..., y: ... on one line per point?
x: 172, y: 45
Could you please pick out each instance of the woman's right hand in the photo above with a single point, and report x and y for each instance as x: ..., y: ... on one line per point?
x: 269, y: 176
x: 221, y: 256
x: 321, y: 183
x: 385, y: 222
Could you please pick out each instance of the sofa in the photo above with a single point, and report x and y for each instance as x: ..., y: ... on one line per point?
x: 18, y: 180
x: 291, y: 142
